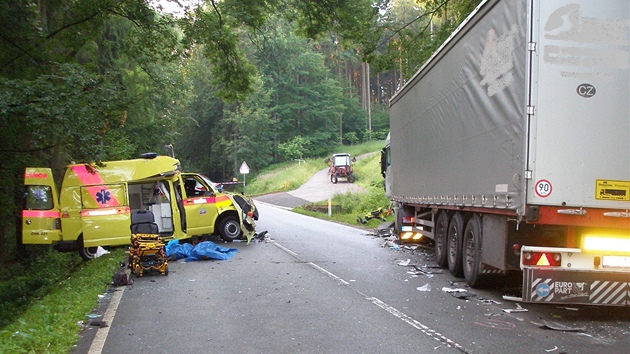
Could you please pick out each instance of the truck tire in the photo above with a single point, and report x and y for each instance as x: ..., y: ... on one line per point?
x: 230, y: 228
x: 472, y: 252
x: 454, y: 243
x: 333, y: 179
x: 440, y: 240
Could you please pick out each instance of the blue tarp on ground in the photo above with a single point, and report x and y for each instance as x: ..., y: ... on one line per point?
x: 203, y: 250
x: 177, y: 250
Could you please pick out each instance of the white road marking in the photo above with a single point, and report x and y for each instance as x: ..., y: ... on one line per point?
x: 392, y: 310
x: 108, y: 317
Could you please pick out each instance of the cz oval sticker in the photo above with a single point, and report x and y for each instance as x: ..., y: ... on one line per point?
x: 586, y: 90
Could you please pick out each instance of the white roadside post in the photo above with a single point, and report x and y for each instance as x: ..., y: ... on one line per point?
x: 244, y: 170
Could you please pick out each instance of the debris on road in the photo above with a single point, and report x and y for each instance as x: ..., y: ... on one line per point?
x: 380, y: 213
x: 559, y: 327
x: 459, y: 293
x: 391, y: 242
x: 489, y: 301
x: 98, y: 323
x: 419, y: 270
x: 385, y: 229
x: 517, y: 309
x: 453, y: 290
x: 512, y: 298
x: 100, y: 251
x: 425, y: 287
x: 404, y: 263
x: 464, y: 296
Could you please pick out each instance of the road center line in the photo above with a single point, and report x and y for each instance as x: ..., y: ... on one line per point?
x: 392, y: 310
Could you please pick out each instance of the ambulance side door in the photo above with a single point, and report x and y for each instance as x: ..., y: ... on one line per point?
x: 105, y: 215
x: 200, y: 205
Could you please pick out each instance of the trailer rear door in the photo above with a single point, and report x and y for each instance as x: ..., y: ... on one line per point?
x: 579, y: 142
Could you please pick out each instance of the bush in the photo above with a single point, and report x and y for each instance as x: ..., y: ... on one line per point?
x: 31, y: 278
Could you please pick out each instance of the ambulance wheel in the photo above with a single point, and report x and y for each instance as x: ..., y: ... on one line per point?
x: 87, y: 253
x: 333, y: 179
x: 440, y: 241
x: 230, y: 229
x: 472, y: 252
x: 454, y: 242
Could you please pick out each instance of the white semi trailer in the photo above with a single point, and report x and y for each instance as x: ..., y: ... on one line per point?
x: 510, y: 148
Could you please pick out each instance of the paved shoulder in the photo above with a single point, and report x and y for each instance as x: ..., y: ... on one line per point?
x: 282, y: 199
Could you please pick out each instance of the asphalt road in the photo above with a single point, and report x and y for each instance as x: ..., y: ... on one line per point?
x: 319, y: 287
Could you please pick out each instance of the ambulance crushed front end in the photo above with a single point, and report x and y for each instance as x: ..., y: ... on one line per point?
x: 248, y: 214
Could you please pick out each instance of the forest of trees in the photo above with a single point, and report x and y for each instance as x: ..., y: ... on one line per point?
x: 223, y: 81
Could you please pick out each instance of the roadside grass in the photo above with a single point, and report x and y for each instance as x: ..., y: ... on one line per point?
x: 284, y: 177
x: 50, y: 322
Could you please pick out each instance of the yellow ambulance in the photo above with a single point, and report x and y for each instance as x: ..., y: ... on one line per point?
x: 94, y: 205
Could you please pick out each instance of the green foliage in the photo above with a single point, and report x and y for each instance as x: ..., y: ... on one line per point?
x: 294, y: 149
x: 23, y: 282
x: 47, y: 321
x: 412, y: 30
x: 284, y: 177
x: 351, y: 138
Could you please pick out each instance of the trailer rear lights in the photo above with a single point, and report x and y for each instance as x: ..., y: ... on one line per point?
x: 595, y: 243
x: 541, y: 259
x: 407, y: 220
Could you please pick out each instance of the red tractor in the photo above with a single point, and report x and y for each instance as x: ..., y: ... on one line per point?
x: 341, y: 167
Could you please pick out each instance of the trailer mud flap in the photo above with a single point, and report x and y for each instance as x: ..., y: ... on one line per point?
x: 576, y: 287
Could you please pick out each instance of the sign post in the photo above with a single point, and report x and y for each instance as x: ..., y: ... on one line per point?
x: 244, y: 170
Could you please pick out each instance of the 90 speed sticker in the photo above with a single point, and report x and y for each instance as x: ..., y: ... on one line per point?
x: 543, y: 188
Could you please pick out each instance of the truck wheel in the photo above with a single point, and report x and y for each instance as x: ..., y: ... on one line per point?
x: 454, y: 240
x: 440, y: 241
x: 333, y: 179
x: 472, y: 252
x: 230, y: 229
x: 351, y: 178
x: 87, y: 253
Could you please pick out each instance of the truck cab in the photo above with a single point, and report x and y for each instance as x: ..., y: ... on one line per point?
x: 386, y: 163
